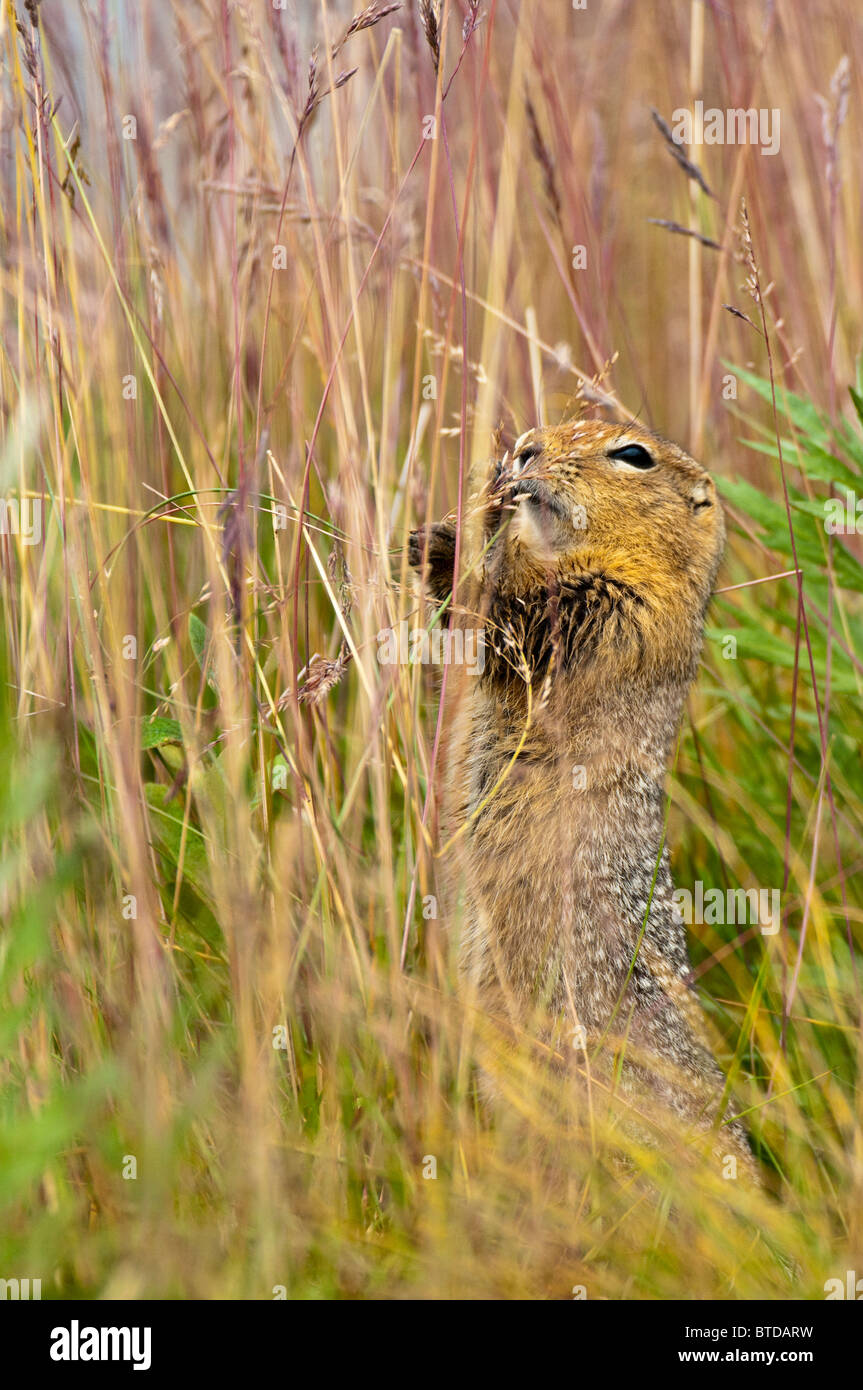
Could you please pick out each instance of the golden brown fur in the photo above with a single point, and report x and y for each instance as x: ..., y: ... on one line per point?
x: 589, y: 577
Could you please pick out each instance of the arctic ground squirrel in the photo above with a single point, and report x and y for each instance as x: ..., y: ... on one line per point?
x: 588, y: 577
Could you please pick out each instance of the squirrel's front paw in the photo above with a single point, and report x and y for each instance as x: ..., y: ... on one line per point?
x: 434, y: 544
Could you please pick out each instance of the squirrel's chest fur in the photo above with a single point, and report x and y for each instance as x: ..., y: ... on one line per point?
x: 561, y: 847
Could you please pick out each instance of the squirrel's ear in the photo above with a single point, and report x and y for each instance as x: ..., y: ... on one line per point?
x: 700, y: 497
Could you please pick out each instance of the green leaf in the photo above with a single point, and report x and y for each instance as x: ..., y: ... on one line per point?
x: 158, y: 731
x: 167, y: 822
x: 753, y: 502
x: 809, y: 458
x: 809, y: 536
x: 801, y: 412
x: 198, y: 638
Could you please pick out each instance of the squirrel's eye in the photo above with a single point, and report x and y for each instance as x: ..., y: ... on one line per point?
x: 634, y: 455
x: 524, y: 455
x: 530, y: 451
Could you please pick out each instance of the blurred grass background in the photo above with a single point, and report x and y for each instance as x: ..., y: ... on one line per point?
x: 255, y: 325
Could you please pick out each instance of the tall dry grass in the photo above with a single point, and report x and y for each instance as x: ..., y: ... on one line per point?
x: 251, y: 336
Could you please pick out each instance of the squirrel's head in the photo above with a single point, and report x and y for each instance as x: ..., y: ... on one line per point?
x: 609, y: 499
x: 615, y: 511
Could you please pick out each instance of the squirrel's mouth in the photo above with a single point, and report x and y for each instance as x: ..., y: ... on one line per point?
x: 538, y: 494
